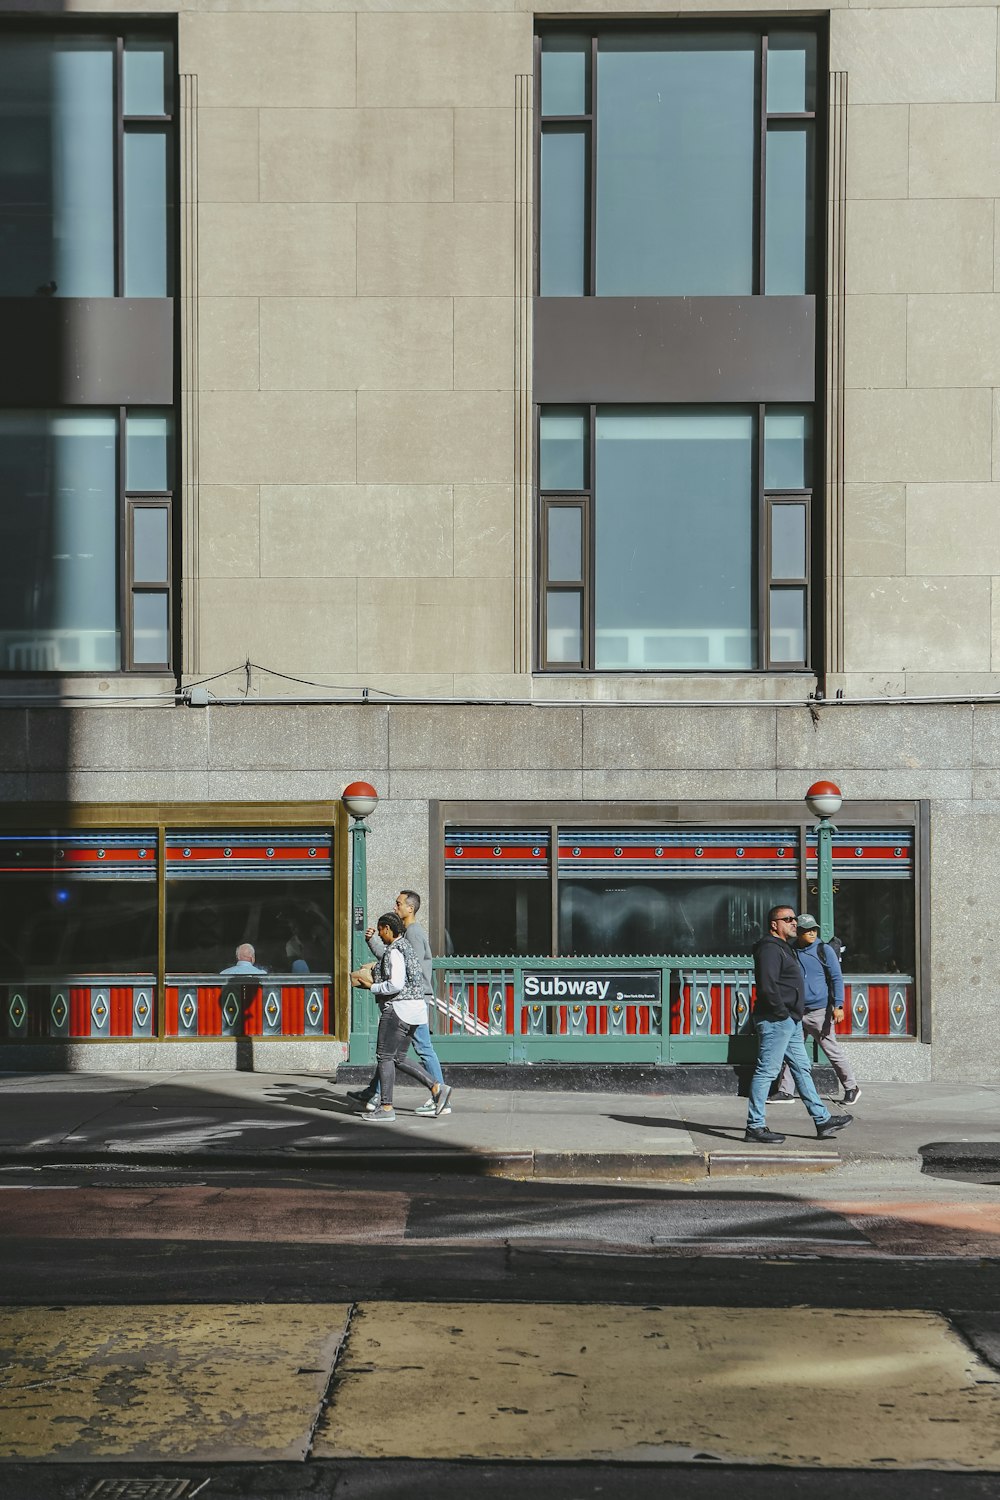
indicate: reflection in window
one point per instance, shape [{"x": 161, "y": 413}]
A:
[
  {"x": 675, "y": 165},
  {"x": 146, "y": 199},
  {"x": 788, "y": 254},
  {"x": 495, "y": 917},
  {"x": 57, "y": 232},
  {"x": 270, "y": 888},
  {"x": 562, "y": 441},
  {"x": 674, "y": 534},
  {"x": 875, "y": 919},
  {"x": 497, "y": 892},
  {"x": 58, "y": 541},
  {"x": 791, "y": 73},
  {"x": 563, "y": 211},
  {"x": 565, "y": 65},
  {"x": 148, "y": 451},
  {"x": 77, "y": 905},
  {"x": 656, "y": 162},
  {"x": 681, "y": 917},
  {"x": 61, "y": 151}
]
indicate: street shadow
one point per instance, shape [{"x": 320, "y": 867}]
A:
[{"x": 58, "y": 1119}]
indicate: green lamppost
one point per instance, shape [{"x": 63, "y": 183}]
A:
[
  {"x": 360, "y": 799},
  {"x": 823, "y": 800}
]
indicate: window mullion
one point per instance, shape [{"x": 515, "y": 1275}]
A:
[
  {"x": 590, "y": 578},
  {"x": 762, "y": 170},
  {"x": 119, "y": 114},
  {"x": 591, "y": 189}
]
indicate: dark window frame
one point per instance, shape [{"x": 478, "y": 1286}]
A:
[
  {"x": 763, "y": 28},
  {"x": 162, "y": 817},
  {"x": 126, "y": 500},
  {"x": 587, "y": 122},
  {"x": 120, "y": 32},
  {"x": 163, "y": 28},
  {"x": 762, "y": 581},
  {"x": 912, "y": 815},
  {"x": 145, "y": 500}
]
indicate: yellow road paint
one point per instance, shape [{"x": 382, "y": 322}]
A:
[
  {"x": 187, "y": 1382},
  {"x": 795, "y": 1386}
]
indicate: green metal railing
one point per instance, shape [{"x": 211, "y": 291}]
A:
[
  {"x": 641, "y": 1009},
  {"x": 644, "y": 1009}
]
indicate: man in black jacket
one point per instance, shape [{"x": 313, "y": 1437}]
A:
[{"x": 777, "y": 1020}]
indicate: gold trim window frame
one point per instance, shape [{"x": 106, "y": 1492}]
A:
[{"x": 172, "y": 817}]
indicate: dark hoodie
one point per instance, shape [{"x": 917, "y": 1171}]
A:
[{"x": 781, "y": 990}]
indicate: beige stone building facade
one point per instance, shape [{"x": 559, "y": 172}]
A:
[{"x": 365, "y": 317}]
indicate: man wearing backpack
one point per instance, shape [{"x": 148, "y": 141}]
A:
[
  {"x": 779, "y": 1000},
  {"x": 824, "y": 983}
]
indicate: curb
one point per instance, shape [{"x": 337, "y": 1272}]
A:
[
  {"x": 560, "y": 1165},
  {"x": 769, "y": 1163},
  {"x": 671, "y": 1079},
  {"x": 961, "y": 1156}
]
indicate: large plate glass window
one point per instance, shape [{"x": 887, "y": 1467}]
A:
[
  {"x": 653, "y": 520},
  {"x": 497, "y": 891},
  {"x": 687, "y": 902},
  {"x": 78, "y": 946},
  {"x": 86, "y": 164},
  {"x": 677, "y": 162},
  {"x": 86, "y": 540},
  {"x": 626, "y": 892},
  {"x": 249, "y": 932}
]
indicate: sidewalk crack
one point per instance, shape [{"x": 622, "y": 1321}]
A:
[{"x": 325, "y": 1399}]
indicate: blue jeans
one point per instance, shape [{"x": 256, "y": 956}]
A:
[
  {"x": 779, "y": 1042},
  {"x": 424, "y": 1048}
]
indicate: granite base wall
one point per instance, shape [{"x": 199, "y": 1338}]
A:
[{"x": 948, "y": 754}]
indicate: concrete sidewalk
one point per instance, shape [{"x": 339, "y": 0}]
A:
[{"x": 256, "y": 1120}]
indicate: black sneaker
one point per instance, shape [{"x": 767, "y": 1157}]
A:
[
  {"x": 360, "y": 1096},
  {"x": 851, "y": 1096},
  {"x": 781, "y": 1097},
  {"x": 832, "y": 1125},
  {"x": 763, "y": 1136}
]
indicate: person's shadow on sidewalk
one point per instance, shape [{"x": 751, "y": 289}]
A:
[
  {"x": 692, "y": 1126},
  {"x": 313, "y": 1096}
]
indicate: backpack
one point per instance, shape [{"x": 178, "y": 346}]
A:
[{"x": 831, "y": 1000}]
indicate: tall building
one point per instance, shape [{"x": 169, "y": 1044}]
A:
[{"x": 580, "y": 429}]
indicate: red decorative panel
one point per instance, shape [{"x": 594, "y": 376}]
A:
[
  {"x": 293, "y": 1011},
  {"x": 210, "y": 1011},
  {"x": 79, "y": 1012},
  {"x": 121, "y": 1011}
]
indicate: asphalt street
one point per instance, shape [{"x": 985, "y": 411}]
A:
[{"x": 124, "y": 1289}]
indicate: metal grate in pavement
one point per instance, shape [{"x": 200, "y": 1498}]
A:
[{"x": 144, "y": 1489}]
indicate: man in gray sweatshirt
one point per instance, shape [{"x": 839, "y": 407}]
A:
[{"x": 407, "y": 906}]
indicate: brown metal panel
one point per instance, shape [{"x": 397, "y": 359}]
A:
[
  {"x": 676, "y": 349},
  {"x": 76, "y": 351}
]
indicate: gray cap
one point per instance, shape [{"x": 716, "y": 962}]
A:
[{"x": 805, "y": 922}]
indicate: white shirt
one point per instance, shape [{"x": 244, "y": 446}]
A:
[{"x": 412, "y": 1011}]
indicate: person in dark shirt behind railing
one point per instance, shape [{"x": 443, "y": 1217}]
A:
[{"x": 777, "y": 1020}]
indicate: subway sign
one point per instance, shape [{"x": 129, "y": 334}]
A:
[{"x": 593, "y": 987}]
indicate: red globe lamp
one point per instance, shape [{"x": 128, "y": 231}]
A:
[
  {"x": 360, "y": 799},
  {"x": 824, "y": 799}
]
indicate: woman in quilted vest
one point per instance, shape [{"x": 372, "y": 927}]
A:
[{"x": 397, "y": 983}]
